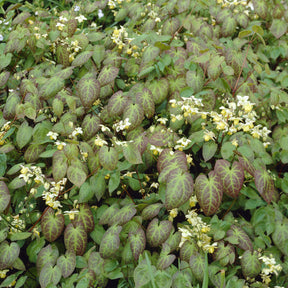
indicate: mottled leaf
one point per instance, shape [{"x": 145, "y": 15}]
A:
[
  {"x": 67, "y": 263},
  {"x": 264, "y": 184},
  {"x": 75, "y": 238},
  {"x": 110, "y": 242},
  {"x": 89, "y": 91},
  {"x": 52, "y": 224},
  {"x": 82, "y": 58},
  {"x": 108, "y": 157},
  {"x": 107, "y": 75},
  {"x": 232, "y": 178},
  {"x": 179, "y": 189},
  {"x": 209, "y": 192},
  {"x": 237, "y": 236},
  {"x": 8, "y": 254},
  {"x": 4, "y": 196},
  {"x": 157, "y": 233},
  {"x": 49, "y": 274},
  {"x": 137, "y": 242},
  {"x": 250, "y": 264}
]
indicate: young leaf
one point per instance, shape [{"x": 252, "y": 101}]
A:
[
  {"x": 49, "y": 274},
  {"x": 108, "y": 157}
]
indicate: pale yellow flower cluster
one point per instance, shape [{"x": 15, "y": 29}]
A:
[
  {"x": 17, "y": 224},
  {"x": 270, "y": 268},
  {"x": 121, "y": 39},
  {"x": 197, "y": 230},
  {"x": 234, "y": 117},
  {"x": 4, "y": 129}
]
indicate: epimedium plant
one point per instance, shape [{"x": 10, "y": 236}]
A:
[{"x": 144, "y": 144}]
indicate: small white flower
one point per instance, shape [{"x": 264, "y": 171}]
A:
[
  {"x": 100, "y": 14},
  {"x": 81, "y": 18},
  {"x": 52, "y": 135},
  {"x": 1, "y": 37},
  {"x": 77, "y": 8}
]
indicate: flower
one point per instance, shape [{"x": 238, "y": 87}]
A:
[
  {"x": 3, "y": 273},
  {"x": 80, "y": 18},
  {"x": 209, "y": 135},
  {"x": 100, "y": 14},
  {"x": 1, "y": 37},
  {"x": 77, "y": 8},
  {"x": 52, "y": 135},
  {"x": 60, "y": 145},
  {"x": 60, "y": 26},
  {"x": 99, "y": 141},
  {"x": 71, "y": 214}
]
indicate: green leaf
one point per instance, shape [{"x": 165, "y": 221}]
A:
[
  {"x": 232, "y": 178},
  {"x": 20, "y": 236},
  {"x": 49, "y": 274},
  {"x": 209, "y": 150},
  {"x": 116, "y": 104},
  {"x": 34, "y": 247},
  {"x": 75, "y": 238},
  {"x": 195, "y": 80},
  {"x": 142, "y": 274},
  {"x": 110, "y": 242},
  {"x": 132, "y": 154},
  {"x": 98, "y": 185},
  {"x": 179, "y": 188},
  {"x": 278, "y": 28},
  {"x": 82, "y": 58},
  {"x": 137, "y": 242},
  {"x": 52, "y": 224},
  {"x": 264, "y": 184},
  {"x": 237, "y": 236},
  {"x": 114, "y": 181},
  {"x": 51, "y": 87},
  {"x": 244, "y": 33},
  {"x": 4, "y": 76},
  {"x": 85, "y": 192},
  {"x": 98, "y": 54},
  {"x": 24, "y": 134},
  {"x": 67, "y": 263},
  {"x": 227, "y": 150},
  {"x": 209, "y": 192},
  {"x": 76, "y": 174},
  {"x": 89, "y": 91},
  {"x": 250, "y": 263},
  {"x": 85, "y": 216},
  {"x": 197, "y": 264},
  {"x": 8, "y": 254},
  {"x": 107, "y": 75},
  {"x": 59, "y": 165},
  {"x": 108, "y": 157},
  {"x": 157, "y": 233},
  {"x": 280, "y": 235},
  {"x": 151, "y": 211}
]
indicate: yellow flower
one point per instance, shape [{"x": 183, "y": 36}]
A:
[
  {"x": 129, "y": 51},
  {"x": 235, "y": 142},
  {"x": 107, "y": 176},
  {"x": 3, "y": 273}
]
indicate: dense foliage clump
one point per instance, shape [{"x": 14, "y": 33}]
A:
[{"x": 144, "y": 144}]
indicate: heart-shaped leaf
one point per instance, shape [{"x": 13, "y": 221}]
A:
[
  {"x": 4, "y": 196},
  {"x": 264, "y": 184},
  {"x": 137, "y": 241},
  {"x": 209, "y": 192},
  {"x": 232, "y": 178},
  {"x": 110, "y": 242},
  {"x": 179, "y": 189},
  {"x": 250, "y": 264},
  {"x": 52, "y": 224},
  {"x": 67, "y": 263},
  {"x": 108, "y": 157},
  {"x": 8, "y": 254},
  {"x": 237, "y": 236},
  {"x": 75, "y": 238},
  {"x": 49, "y": 274},
  {"x": 48, "y": 254},
  {"x": 157, "y": 233}
]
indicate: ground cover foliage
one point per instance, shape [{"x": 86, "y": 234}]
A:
[{"x": 144, "y": 144}]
